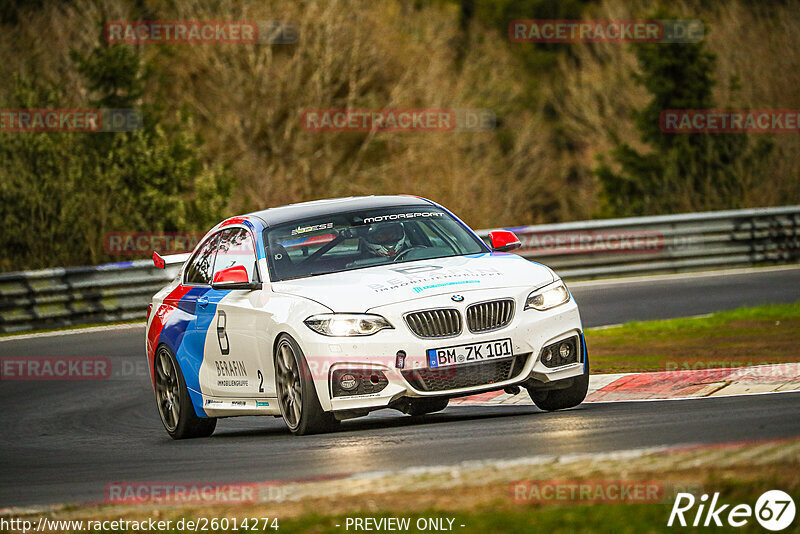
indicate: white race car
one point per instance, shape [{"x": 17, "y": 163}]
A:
[{"x": 327, "y": 310}]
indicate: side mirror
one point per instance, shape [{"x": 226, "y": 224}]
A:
[
  {"x": 233, "y": 278},
  {"x": 158, "y": 261},
  {"x": 503, "y": 240}
]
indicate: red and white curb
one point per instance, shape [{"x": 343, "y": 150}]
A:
[{"x": 697, "y": 383}]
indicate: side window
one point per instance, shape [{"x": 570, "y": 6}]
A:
[
  {"x": 433, "y": 237},
  {"x": 236, "y": 248},
  {"x": 200, "y": 268}
]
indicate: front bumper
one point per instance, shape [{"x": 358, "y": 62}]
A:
[{"x": 529, "y": 331}]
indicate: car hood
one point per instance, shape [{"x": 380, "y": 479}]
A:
[{"x": 360, "y": 290}]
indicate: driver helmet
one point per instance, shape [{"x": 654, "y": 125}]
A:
[{"x": 386, "y": 239}]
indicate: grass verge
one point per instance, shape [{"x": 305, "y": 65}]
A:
[
  {"x": 737, "y": 338},
  {"x": 483, "y": 498}
]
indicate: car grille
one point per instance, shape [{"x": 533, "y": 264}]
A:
[
  {"x": 445, "y": 322},
  {"x": 465, "y": 376},
  {"x": 488, "y": 316}
]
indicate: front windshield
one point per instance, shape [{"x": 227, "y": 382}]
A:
[{"x": 366, "y": 238}]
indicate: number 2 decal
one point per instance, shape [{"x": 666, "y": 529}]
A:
[
  {"x": 260, "y": 382},
  {"x": 222, "y": 336}
]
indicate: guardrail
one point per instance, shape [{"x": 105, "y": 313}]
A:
[
  {"x": 576, "y": 250},
  {"x": 666, "y": 243},
  {"x": 79, "y": 295}
]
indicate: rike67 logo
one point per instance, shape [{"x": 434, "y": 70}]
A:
[{"x": 774, "y": 510}]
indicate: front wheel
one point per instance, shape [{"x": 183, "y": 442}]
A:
[
  {"x": 561, "y": 399},
  {"x": 297, "y": 396},
  {"x": 174, "y": 404}
]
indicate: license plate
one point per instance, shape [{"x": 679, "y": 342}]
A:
[{"x": 469, "y": 353}]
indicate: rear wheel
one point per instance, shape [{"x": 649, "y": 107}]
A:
[
  {"x": 561, "y": 399},
  {"x": 174, "y": 404},
  {"x": 425, "y": 406},
  {"x": 297, "y": 396}
]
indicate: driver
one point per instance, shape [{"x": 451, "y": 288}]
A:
[{"x": 386, "y": 240}]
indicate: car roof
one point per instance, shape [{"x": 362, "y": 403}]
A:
[{"x": 332, "y": 206}]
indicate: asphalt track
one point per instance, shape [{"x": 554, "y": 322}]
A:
[{"x": 65, "y": 441}]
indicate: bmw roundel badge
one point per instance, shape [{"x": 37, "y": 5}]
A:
[{"x": 457, "y": 298}]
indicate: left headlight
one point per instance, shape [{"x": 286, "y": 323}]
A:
[
  {"x": 347, "y": 324},
  {"x": 548, "y": 297}
]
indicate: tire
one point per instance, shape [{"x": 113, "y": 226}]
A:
[
  {"x": 425, "y": 406},
  {"x": 297, "y": 396},
  {"x": 173, "y": 401},
  {"x": 561, "y": 399}
]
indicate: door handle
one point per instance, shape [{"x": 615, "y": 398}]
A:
[{"x": 202, "y": 301}]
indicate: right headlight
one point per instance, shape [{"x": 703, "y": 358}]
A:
[
  {"x": 548, "y": 297},
  {"x": 347, "y": 324}
]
